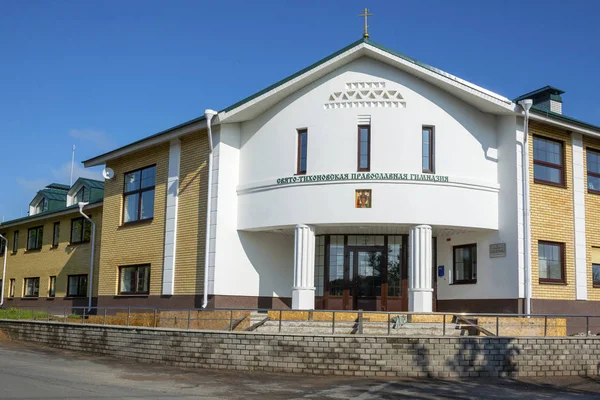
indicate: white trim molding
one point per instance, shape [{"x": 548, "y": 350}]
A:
[{"x": 168, "y": 285}]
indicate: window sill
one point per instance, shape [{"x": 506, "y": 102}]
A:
[
  {"x": 124, "y": 295},
  {"x": 14, "y": 253},
  {"x": 548, "y": 183},
  {"x": 134, "y": 223},
  {"x": 53, "y": 247},
  {"x": 541, "y": 282},
  {"x": 596, "y": 285},
  {"x": 30, "y": 298},
  {"x": 592, "y": 191},
  {"x": 464, "y": 282},
  {"x": 74, "y": 297},
  {"x": 50, "y": 298},
  {"x": 72, "y": 244},
  {"x": 33, "y": 250}
]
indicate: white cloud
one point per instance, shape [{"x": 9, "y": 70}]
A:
[
  {"x": 63, "y": 173},
  {"x": 100, "y": 139},
  {"x": 32, "y": 185}
]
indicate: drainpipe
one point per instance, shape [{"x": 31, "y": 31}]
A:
[
  {"x": 208, "y": 114},
  {"x": 91, "y": 275},
  {"x": 4, "y": 270},
  {"x": 526, "y": 104}
]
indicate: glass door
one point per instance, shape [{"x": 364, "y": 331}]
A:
[{"x": 365, "y": 275}]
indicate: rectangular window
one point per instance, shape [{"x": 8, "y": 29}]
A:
[
  {"x": 42, "y": 206},
  {"x": 52, "y": 287},
  {"x": 596, "y": 274},
  {"x": 77, "y": 286},
  {"x": 31, "y": 287},
  {"x": 548, "y": 161},
  {"x": 3, "y": 244},
  {"x": 428, "y": 150},
  {"x": 11, "y": 289},
  {"x": 134, "y": 279},
  {"x": 302, "y": 151},
  {"x": 364, "y": 148},
  {"x": 81, "y": 230},
  {"x": 34, "y": 238},
  {"x": 15, "y": 245},
  {"x": 465, "y": 264},
  {"x": 82, "y": 194},
  {"x": 138, "y": 194},
  {"x": 593, "y": 171},
  {"x": 56, "y": 234},
  {"x": 551, "y": 262}
]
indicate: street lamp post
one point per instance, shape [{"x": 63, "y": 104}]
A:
[{"x": 91, "y": 275}]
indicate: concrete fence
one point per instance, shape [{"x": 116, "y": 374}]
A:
[{"x": 440, "y": 357}]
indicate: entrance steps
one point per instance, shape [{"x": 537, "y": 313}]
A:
[{"x": 261, "y": 324}]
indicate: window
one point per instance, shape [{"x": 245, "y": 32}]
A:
[
  {"x": 56, "y": 234},
  {"x": 11, "y": 290},
  {"x": 77, "y": 286},
  {"x": 81, "y": 230},
  {"x": 134, "y": 279},
  {"x": 52, "y": 287},
  {"x": 596, "y": 275},
  {"x": 42, "y": 206},
  {"x": 551, "y": 262},
  {"x": 428, "y": 150},
  {"x": 302, "y": 151},
  {"x": 15, "y": 245},
  {"x": 3, "y": 244},
  {"x": 34, "y": 238},
  {"x": 548, "y": 162},
  {"x": 364, "y": 148},
  {"x": 593, "y": 171},
  {"x": 82, "y": 194},
  {"x": 138, "y": 194},
  {"x": 32, "y": 287},
  {"x": 465, "y": 264}
]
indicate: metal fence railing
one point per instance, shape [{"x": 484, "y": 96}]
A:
[{"x": 327, "y": 322}]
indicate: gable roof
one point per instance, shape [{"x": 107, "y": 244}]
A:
[
  {"x": 255, "y": 104},
  {"x": 47, "y": 214}
]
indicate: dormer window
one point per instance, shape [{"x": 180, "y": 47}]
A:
[
  {"x": 42, "y": 206},
  {"x": 82, "y": 195}
]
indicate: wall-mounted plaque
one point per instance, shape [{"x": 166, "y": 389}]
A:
[{"x": 363, "y": 198}]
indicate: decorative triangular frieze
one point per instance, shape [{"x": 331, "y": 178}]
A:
[{"x": 365, "y": 94}]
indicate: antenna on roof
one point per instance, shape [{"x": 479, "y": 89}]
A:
[{"x": 72, "y": 165}]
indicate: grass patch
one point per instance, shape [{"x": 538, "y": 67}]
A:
[{"x": 15, "y": 313}]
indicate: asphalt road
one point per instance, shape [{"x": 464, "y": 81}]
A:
[{"x": 35, "y": 372}]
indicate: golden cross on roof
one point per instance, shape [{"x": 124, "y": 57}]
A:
[{"x": 366, "y": 15}]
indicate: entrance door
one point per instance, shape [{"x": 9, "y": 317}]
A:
[{"x": 365, "y": 271}]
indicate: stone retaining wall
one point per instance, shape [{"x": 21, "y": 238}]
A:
[{"x": 442, "y": 357}]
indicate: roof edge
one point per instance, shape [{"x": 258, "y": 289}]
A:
[{"x": 47, "y": 214}]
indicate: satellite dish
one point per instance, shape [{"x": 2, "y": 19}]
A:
[{"x": 108, "y": 173}]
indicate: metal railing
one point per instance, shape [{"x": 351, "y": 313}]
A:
[{"x": 315, "y": 322}]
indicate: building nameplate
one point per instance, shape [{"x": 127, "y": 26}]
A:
[
  {"x": 361, "y": 176},
  {"x": 497, "y": 250}
]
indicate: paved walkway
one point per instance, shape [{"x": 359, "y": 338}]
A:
[{"x": 34, "y": 372}]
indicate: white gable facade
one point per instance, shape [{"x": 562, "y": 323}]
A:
[{"x": 380, "y": 234}]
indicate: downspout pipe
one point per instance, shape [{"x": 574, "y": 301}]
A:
[
  {"x": 91, "y": 275},
  {"x": 208, "y": 114},
  {"x": 526, "y": 105},
  {"x": 4, "y": 269}
]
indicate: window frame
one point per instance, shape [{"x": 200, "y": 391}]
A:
[
  {"x": 45, "y": 204},
  {"x": 563, "y": 270},
  {"x": 431, "y": 129},
  {"x": 594, "y": 174},
  {"x": 25, "y": 287},
  {"x": 83, "y": 225},
  {"x": 135, "y": 292},
  {"x": 51, "y": 287},
  {"x": 11, "y": 288},
  {"x": 299, "y": 170},
  {"x": 3, "y": 246},
  {"x": 561, "y": 167},
  {"x": 474, "y": 272},
  {"x": 79, "y": 276},
  {"x": 139, "y": 192},
  {"x": 55, "y": 235},
  {"x": 368, "y": 168},
  {"x": 595, "y": 283},
  {"x": 40, "y": 238},
  {"x": 15, "y": 245}
]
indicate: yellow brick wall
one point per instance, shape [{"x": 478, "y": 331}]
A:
[
  {"x": 61, "y": 261},
  {"x": 552, "y": 217},
  {"x": 191, "y": 219},
  {"x": 143, "y": 242},
  {"x": 592, "y": 220},
  {"x": 138, "y": 242}
]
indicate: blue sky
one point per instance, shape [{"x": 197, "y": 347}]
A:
[{"x": 103, "y": 74}]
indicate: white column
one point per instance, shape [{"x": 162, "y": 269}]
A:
[
  {"x": 420, "y": 289},
  {"x": 168, "y": 286},
  {"x": 303, "y": 292},
  {"x": 581, "y": 277}
]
